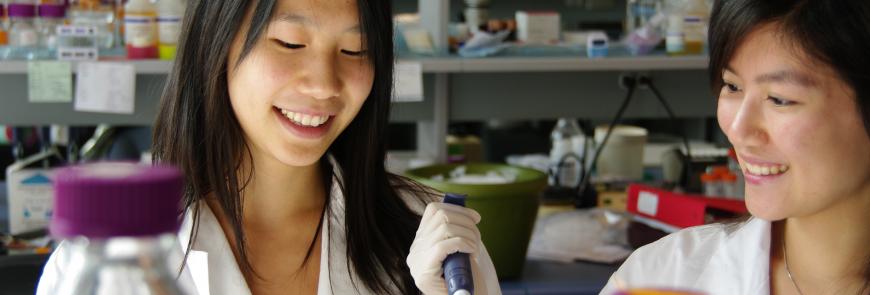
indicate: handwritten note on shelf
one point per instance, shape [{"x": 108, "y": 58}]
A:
[
  {"x": 408, "y": 81},
  {"x": 49, "y": 81},
  {"x": 105, "y": 87}
]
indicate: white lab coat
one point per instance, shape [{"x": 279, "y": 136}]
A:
[
  {"x": 211, "y": 267},
  {"x": 716, "y": 259}
]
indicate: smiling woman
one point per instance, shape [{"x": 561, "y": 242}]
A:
[
  {"x": 277, "y": 111},
  {"x": 794, "y": 100}
]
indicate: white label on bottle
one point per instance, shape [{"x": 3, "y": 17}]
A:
[
  {"x": 168, "y": 29},
  {"x": 140, "y": 30},
  {"x": 648, "y": 203}
]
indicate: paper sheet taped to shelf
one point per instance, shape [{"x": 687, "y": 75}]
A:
[
  {"x": 408, "y": 81},
  {"x": 105, "y": 87},
  {"x": 49, "y": 81}
]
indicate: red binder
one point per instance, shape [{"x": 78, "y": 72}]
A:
[{"x": 676, "y": 209}]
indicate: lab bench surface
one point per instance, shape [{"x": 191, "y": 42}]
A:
[
  {"x": 539, "y": 277},
  {"x": 554, "y": 278}
]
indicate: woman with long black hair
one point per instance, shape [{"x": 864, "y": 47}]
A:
[
  {"x": 276, "y": 111},
  {"x": 793, "y": 80}
]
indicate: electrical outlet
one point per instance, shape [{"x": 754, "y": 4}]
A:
[{"x": 626, "y": 80}]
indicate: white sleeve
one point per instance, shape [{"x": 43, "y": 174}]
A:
[
  {"x": 620, "y": 279},
  {"x": 53, "y": 270}
]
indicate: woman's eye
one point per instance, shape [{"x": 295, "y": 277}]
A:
[
  {"x": 353, "y": 53},
  {"x": 289, "y": 45},
  {"x": 779, "y": 102},
  {"x": 731, "y": 87}
]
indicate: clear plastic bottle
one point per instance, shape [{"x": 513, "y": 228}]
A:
[
  {"x": 4, "y": 35},
  {"x": 169, "y": 15},
  {"x": 566, "y": 139},
  {"x": 140, "y": 29},
  {"x": 118, "y": 222},
  {"x": 711, "y": 184},
  {"x": 696, "y": 17},
  {"x": 729, "y": 186},
  {"x": 640, "y": 12},
  {"x": 97, "y": 14},
  {"x": 675, "y": 39},
  {"x": 50, "y": 16},
  {"x": 23, "y": 36}
]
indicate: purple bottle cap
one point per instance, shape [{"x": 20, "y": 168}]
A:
[
  {"x": 22, "y": 10},
  {"x": 52, "y": 10},
  {"x": 116, "y": 199}
]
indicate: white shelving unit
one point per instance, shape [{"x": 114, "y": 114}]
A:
[
  {"x": 434, "y": 16},
  {"x": 458, "y": 65}
]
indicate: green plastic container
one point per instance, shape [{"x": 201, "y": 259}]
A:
[{"x": 508, "y": 210}]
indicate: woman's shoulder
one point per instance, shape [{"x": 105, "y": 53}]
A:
[
  {"x": 698, "y": 241},
  {"x": 415, "y": 195},
  {"x": 682, "y": 256}
]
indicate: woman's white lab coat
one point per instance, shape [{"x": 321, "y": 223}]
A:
[
  {"x": 715, "y": 259},
  {"x": 211, "y": 267}
]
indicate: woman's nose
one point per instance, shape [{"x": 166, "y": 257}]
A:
[
  {"x": 319, "y": 79},
  {"x": 747, "y": 129}
]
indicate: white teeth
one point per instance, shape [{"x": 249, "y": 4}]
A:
[
  {"x": 765, "y": 170},
  {"x": 305, "y": 120}
]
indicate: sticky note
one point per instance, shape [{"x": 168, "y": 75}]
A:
[
  {"x": 408, "y": 81},
  {"x": 648, "y": 203},
  {"x": 105, "y": 87},
  {"x": 49, "y": 81}
]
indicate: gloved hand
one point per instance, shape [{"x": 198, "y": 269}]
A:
[{"x": 445, "y": 229}]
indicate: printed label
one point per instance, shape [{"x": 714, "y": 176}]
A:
[
  {"x": 140, "y": 30},
  {"x": 168, "y": 27}
]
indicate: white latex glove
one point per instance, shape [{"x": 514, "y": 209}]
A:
[{"x": 446, "y": 229}]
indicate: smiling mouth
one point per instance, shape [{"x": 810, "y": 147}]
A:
[
  {"x": 764, "y": 170},
  {"x": 304, "y": 120}
]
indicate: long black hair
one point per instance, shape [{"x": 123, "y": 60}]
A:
[
  {"x": 834, "y": 33},
  {"x": 197, "y": 131}
]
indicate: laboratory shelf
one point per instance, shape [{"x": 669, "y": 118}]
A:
[
  {"x": 561, "y": 64},
  {"x": 477, "y": 65},
  {"x": 429, "y": 65},
  {"x": 558, "y": 63},
  {"x": 142, "y": 66}
]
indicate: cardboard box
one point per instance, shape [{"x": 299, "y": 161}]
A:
[
  {"x": 31, "y": 197},
  {"x": 538, "y": 27}
]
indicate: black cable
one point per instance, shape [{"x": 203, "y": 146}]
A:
[
  {"x": 673, "y": 117},
  {"x": 631, "y": 85}
]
